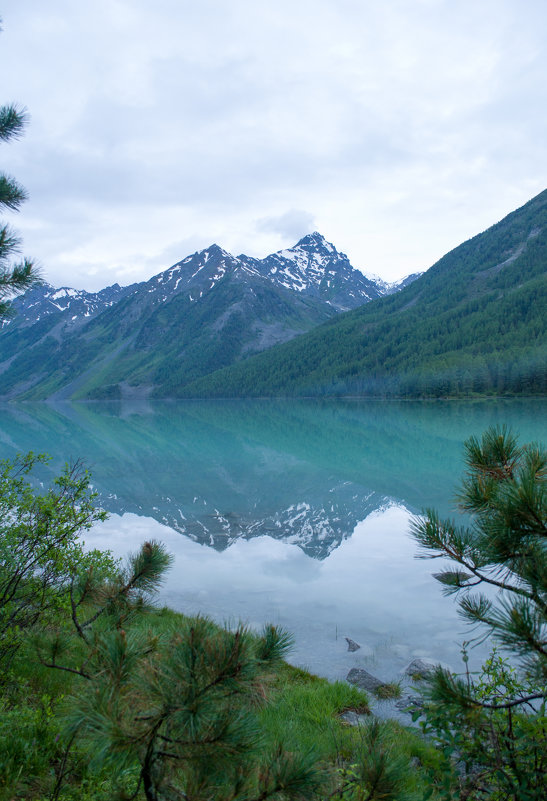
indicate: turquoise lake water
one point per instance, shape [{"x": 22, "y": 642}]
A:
[{"x": 291, "y": 512}]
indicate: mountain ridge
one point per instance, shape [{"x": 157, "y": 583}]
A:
[
  {"x": 202, "y": 313},
  {"x": 474, "y": 323}
]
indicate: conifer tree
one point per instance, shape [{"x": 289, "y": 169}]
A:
[
  {"x": 14, "y": 277},
  {"x": 495, "y": 724},
  {"x": 504, "y": 489},
  {"x": 179, "y": 713}
]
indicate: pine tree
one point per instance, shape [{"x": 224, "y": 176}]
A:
[
  {"x": 505, "y": 491},
  {"x": 495, "y": 724},
  {"x": 14, "y": 278},
  {"x": 179, "y": 713}
]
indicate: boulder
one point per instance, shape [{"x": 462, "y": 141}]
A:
[
  {"x": 351, "y": 717},
  {"x": 361, "y": 678},
  {"x": 352, "y": 645},
  {"x": 421, "y": 668}
]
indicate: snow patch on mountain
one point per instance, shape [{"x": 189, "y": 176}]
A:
[
  {"x": 313, "y": 267},
  {"x": 73, "y": 304}
]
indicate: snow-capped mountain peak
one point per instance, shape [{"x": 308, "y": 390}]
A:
[
  {"x": 74, "y": 304},
  {"x": 314, "y": 245},
  {"x": 206, "y": 311},
  {"x": 196, "y": 274},
  {"x": 315, "y": 240},
  {"x": 314, "y": 267}
]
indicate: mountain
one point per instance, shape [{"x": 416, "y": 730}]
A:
[
  {"x": 45, "y": 314},
  {"x": 205, "y": 312},
  {"x": 386, "y": 288},
  {"x": 315, "y": 268},
  {"x": 61, "y": 305},
  {"x": 475, "y": 322},
  {"x": 396, "y": 286}
]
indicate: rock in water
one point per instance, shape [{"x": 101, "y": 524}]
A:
[
  {"x": 352, "y": 645},
  {"x": 363, "y": 679},
  {"x": 410, "y": 703},
  {"x": 421, "y": 668}
]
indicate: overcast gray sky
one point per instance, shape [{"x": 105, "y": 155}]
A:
[{"x": 397, "y": 128}]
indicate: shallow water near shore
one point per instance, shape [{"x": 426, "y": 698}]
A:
[{"x": 295, "y": 513}]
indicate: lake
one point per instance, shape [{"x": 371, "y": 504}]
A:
[{"x": 291, "y": 512}]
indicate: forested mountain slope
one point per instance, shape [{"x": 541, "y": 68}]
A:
[
  {"x": 475, "y": 322},
  {"x": 203, "y": 313}
]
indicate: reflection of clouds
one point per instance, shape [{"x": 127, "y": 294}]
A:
[
  {"x": 261, "y": 562},
  {"x": 376, "y": 569},
  {"x": 370, "y": 588},
  {"x": 290, "y": 562}
]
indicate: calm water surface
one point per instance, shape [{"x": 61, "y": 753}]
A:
[{"x": 295, "y": 513}]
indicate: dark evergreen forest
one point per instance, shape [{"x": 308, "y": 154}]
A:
[{"x": 475, "y": 323}]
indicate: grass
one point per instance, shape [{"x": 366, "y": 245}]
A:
[
  {"x": 301, "y": 710},
  {"x": 387, "y": 691},
  {"x": 304, "y": 710}
]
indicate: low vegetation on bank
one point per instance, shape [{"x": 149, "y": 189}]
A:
[{"x": 104, "y": 695}]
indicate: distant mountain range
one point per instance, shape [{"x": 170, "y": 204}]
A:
[
  {"x": 301, "y": 322},
  {"x": 152, "y": 338},
  {"x": 474, "y": 323}
]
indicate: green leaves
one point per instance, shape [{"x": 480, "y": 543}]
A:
[
  {"x": 171, "y": 715},
  {"x": 488, "y": 724},
  {"x": 12, "y": 194},
  {"x": 379, "y": 771},
  {"x": 40, "y": 549},
  {"x": 453, "y": 580},
  {"x": 494, "y": 456},
  {"x": 504, "y": 489},
  {"x": 274, "y": 644},
  {"x": 437, "y": 538},
  {"x": 147, "y": 567}
]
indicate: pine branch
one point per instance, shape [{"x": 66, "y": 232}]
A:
[
  {"x": 510, "y": 704},
  {"x": 9, "y": 243},
  {"x": 13, "y": 120},
  {"x": 274, "y": 644},
  {"x": 12, "y": 194},
  {"x": 73, "y": 606},
  {"x": 81, "y": 673}
]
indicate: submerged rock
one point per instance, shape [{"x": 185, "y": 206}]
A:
[
  {"x": 421, "y": 668},
  {"x": 410, "y": 703},
  {"x": 361, "y": 678}
]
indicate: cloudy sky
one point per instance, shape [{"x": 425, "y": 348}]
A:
[{"x": 397, "y": 128}]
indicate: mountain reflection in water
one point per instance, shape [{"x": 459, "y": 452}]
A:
[
  {"x": 245, "y": 492},
  {"x": 300, "y": 471}
]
